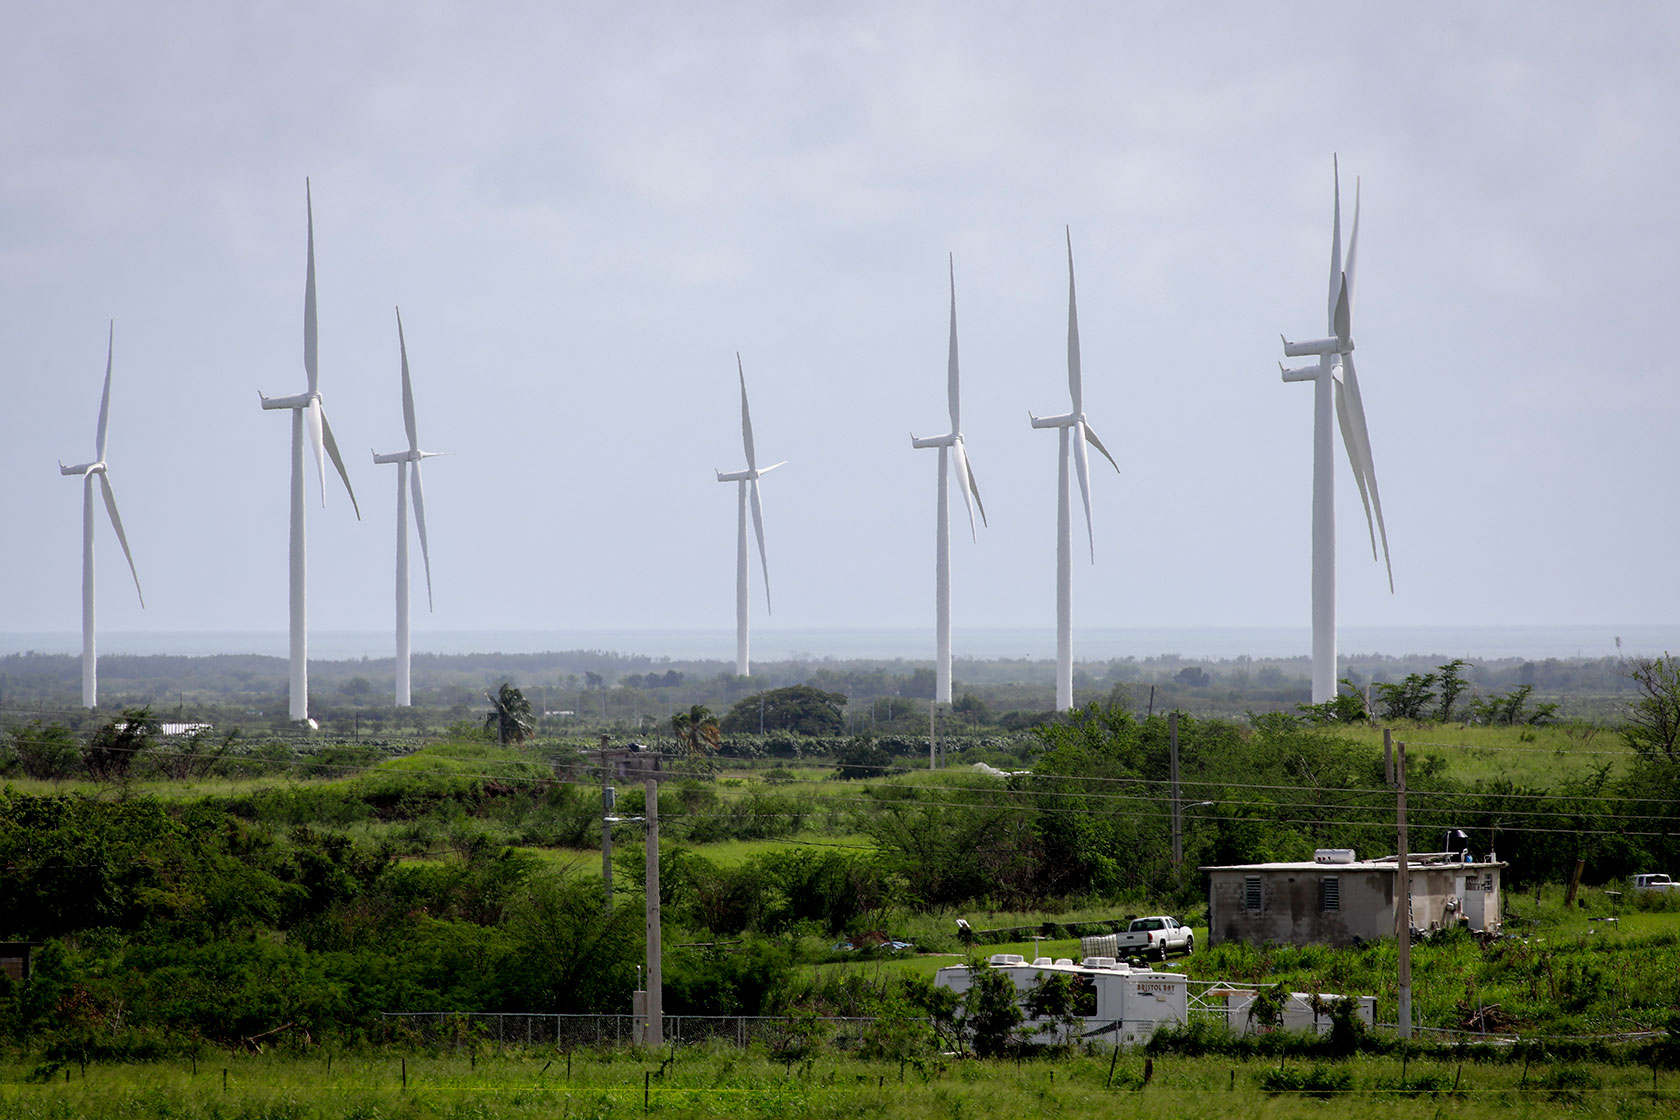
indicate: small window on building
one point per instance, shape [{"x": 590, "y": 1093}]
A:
[
  {"x": 1330, "y": 893},
  {"x": 1251, "y": 892}
]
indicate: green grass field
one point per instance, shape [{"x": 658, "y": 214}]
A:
[
  {"x": 716, "y": 1082},
  {"x": 1542, "y": 757}
]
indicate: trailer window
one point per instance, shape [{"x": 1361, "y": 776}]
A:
[{"x": 1084, "y": 997}]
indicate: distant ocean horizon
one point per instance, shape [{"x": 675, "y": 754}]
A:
[{"x": 816, "y": 644}]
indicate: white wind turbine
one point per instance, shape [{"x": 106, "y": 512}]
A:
[
  {"x": 747, "y": 478},
  {"x": 307, "y": 412},
  {"x": 950, "y": 446},
  {"x": 88, "y": 472},
  {"x": 1334, "y": 375},
  {"x": 402, "y": 459},
  {"x": 1075, "y": 431}
]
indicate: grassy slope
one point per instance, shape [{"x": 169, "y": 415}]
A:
[{"x": 1539, "y": 757}]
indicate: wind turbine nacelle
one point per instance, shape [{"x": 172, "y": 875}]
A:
[
  {"x": 933, "y": 441},
  {"x": 297, "y": 400},
  {"x": 399, "y": 457},
  {"x": 1301, "y": 373},
  {"x": 1066, "y": 420},
  {"x": 1315, "y": 347},
  {"x": 736, "y": 476},
  {"x": 81, "y": 468}
]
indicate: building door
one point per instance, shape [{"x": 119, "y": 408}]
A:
[{"x": 1474, "y": 904}]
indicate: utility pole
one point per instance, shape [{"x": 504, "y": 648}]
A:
[
  {"x": 1388, "y": 756},
  {"x": 1403, "y": 901},
  {"x": 655, "y": 990},
  {"x": 1177, "y": 809},
  {"x": 609, "y": 799}
]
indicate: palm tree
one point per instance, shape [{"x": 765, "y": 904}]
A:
[
  {"x": 509, "y": 715},
  {"x": 696, "y": 731}
]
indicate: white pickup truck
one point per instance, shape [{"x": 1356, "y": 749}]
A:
[
  {"x": 1654, "y": 883},
  {"x": 1154, "y": 936}
]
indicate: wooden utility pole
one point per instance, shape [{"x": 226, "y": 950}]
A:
[
  {"x": 1403, "y": 901},
  {"x": 1177, "y": 802},
  {"x": 1388, "y": 756},
  {"x": 1574, "y": 882},
  {"x": 609, "y": 800},
  {"x": 655, "y": 990}
]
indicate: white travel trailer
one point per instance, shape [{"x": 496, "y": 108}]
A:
[{"x": 1116, "y": 1004}]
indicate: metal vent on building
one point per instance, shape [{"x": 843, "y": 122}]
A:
[
  {"x": 1330, "y": 893},
  {"x": 1251, "y": 892}
]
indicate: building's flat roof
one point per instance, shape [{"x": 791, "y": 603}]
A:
[{"x": 1415, "y": 863}]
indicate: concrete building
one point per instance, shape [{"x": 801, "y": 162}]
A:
[
  {"x": 1339, "y": 900},
  {"x": 15, "y": 958}
]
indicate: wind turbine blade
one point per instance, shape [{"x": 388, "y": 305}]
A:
[
  {"x": 122, "y": 538},
  {"x": 746, "y": 418},
  {"x": 1362, "y": 434},
  {"x": 965, "y": 482},
  {"x": 420, "y": 523},
  {"x": 407, "y": 389},
  {"x": 309, "y": 332},
  {"x": 315, "y": 418},
  {"x": 337, "y": 460},
  {"x": 1341, "y": 320},
  {"x": 1353, "y": 246},
  {"x": 1081, "y": 460},
  {"x": 763, "y": 559},
  {"x": 954, "y": 396},
  {"x": 105, "y": 398},
  {"x": 1097, "y": 443},
  {"x": 1076, "y": 387},
  {"x": 974, "y": 488},
  {"x": 1335, "y": 245},
  {"x": 1351, "y": 442}
]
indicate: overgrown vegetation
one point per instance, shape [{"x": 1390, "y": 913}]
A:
[{"x": 352, "y": 879}]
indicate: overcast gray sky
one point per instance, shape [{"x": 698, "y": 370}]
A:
[{"x": 584, "y": 210}]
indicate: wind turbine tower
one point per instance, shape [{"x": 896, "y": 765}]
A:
[
  {"x": 88, "y": 472},
  {"x": 402, "y": 459},
  {"x": 307, "y": 413},
  {"x": 1333, "y": 378},
  {"x": 1075, "y": 433},
  {"x": 950, "y": 447},
  {"x": 748, "y": 490}
]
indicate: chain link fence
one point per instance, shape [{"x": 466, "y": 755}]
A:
[{"x": 471, "y": 1028}]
